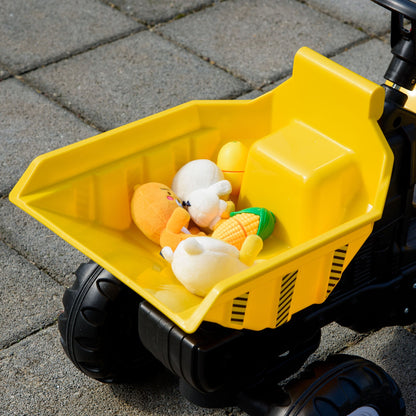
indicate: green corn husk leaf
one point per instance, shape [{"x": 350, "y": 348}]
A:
[{"x": 267, "y": 220}]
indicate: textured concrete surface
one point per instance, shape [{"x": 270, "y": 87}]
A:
[
  {"x": 133, "y": 78},
  {"x": 258, "y": 39},
  {"x": 31, "y": 125},
  {"x": 23, "y": 287},
  {"x": 71, "y": 69},
  {"x": 152, "y": 12},
  {"x": 34, "y": 34},
  {"x": 368, "y": 59},
  {"x": 3, "y": 74},
  {"x": 363, "y": 15},
  {"x": 37, "y": 378},
  {"x": 38, "y": 244}
]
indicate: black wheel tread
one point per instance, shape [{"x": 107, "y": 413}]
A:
[
  {"x": 340, "y": 385},
  {"x": 98, "y": 326}
]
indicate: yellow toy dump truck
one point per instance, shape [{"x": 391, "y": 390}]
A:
[{"x": 332, "y": 156}]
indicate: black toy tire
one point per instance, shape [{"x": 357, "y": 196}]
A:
[
  {"x": 98, "y": 327},
  {"x": 340, "y": 386}
]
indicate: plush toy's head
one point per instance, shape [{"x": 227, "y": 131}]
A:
[
  {"x": 201, "y": 262},
  {"x": 197, "y": 174},
  {"x": 151, "y": 207},
  {"x": 201, "y": 185},
  {"x": 205, "y": 206}
]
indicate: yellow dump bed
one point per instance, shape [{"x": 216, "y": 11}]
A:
[{"x": 317, "y": 159}]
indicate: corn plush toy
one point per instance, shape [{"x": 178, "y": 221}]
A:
[
  {"x": 249, "y": 221},
  {"x": 158, "y": 213}
]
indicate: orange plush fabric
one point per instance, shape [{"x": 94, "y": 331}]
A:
[
  {"x": 158, "y": 213},
  {"x": 174, "y": 233}
]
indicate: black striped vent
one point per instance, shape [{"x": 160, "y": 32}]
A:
[
  {"x": 286, "y": 294},
  {"x": 336, "y": 268},
  {"x": 239, "y": 309}
]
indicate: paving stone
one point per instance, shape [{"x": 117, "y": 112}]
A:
[
  {"x": 38, "y": 244},
  {"x": 411, "y": 328},
  {"x": 257, "y": 40},
  {"x": 272, "y": 86},
  {"x": 36, "y": 375},
  {"x": 363, "y": 14},
  {"x": 31, "y": 125},
  {"x": 29, "y": 298},
  {"x": 3, "y": 74},
  {"x": 152, "y": 12},
  {"x": 393, "y": 349},
  {"x": 132, "y": 78},
  {"x": 251, "y": 95},
  {"x": 370, "y": 59},
  {"x": 34, "y": 33},
  {"x": 335, "y": 338}
]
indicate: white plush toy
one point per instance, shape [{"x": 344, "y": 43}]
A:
[
  {"x": 197, "y": 174},
  {"x": 200, "y": 184},
  {"x": 205, "y": 205},
  {"x": 199, "y": 263}
]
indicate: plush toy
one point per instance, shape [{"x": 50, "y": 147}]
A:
[
  {"x": 201, "y": 186},
  {"x": 158, "y": 213},
  {"x": 206, "y": 207},
  {"x": 197, "y": 174},
  {"x": 199, "y": 263},
  {"x": 249, "y": 221}
]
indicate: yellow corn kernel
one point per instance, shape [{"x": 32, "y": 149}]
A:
[{"x": 236, "y": 229}]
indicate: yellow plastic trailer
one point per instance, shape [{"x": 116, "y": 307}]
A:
[{"x": 317, "y": 159}]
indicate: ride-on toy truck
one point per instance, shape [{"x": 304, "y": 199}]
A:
[{"x": 333, "y": 156}]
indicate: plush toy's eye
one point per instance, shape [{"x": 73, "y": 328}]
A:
[{"x": 170, "y": 197}]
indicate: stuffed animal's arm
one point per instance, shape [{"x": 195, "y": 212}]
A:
[
  {"x": 251, "y": 247},
  {"x": 230, "y": 208},
  {"x": 178, "y": 220}
]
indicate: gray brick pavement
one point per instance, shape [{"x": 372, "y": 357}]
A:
[
  {"x": 3, "y": 74},
  {"x": 132, "y": 78},
  {"x": 34, "y": 34},
  {"x": 152, "y": 12},
  {"x": 363, "y": 15},
  {"x": 31, "y": 125},
  {"x": 257, "y": 39},
  {"x": 369, "y": 59},
  {"x": 95, "y": 63},
  {"x": 37, "y": 378},
  {"x": 30, "y": 299},
  {"x": 38, "y": 244}
]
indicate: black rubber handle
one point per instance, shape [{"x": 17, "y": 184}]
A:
[{"x": 405, "y": 7}]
